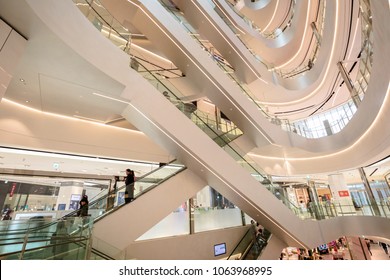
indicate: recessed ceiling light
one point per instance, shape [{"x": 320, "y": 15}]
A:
[
  {"x": 27, "y": 101},
  {"x": 22, "y": 80}
]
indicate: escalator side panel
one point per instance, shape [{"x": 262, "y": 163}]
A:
[{"x": 129, "y": 222}]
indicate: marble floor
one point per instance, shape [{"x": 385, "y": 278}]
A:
[{"x": 378, "y": 253}]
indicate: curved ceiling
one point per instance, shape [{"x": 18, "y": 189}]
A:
[{"x": 47, "y": 82}]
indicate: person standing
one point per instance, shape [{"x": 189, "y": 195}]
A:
[
  {"x": 83, "y": 209},
  {"x": 7, "y": 215},
  {"x": 112, "y": 195},
  {"x": 129, "y": 182},
  {"x": 368, "y": 246},
  {"x": 384, "y": 246},
  {"x": 254, "y": 235}
]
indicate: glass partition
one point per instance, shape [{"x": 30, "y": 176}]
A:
[
  {"x": 176, "y": 223},
  {"x": 30, "y": 196},
  {"x": 208, "y": 210},
  {"x": 66, "y": 238}
]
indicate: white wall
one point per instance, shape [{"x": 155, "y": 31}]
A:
[
  {"x": 65, "y": 193},
  {"x": 198, "y": 246},
  {"x": 25, "y": 128},
  {"x": 11, "y": 49}
]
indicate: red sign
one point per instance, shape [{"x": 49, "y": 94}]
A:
[
  {"x": 12, "y": 190},
  {"x": 343, "y": 193}
]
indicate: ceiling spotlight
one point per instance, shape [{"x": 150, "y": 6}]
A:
[{"x": 22, "y": 80}]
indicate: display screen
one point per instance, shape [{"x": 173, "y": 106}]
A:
[
  {"x": 75, "y": 197},
  {"x": 323, "y": 249},
  {"x": 219, "y": 249}
]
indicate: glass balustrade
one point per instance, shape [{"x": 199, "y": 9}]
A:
[
  {"x": 334, "y": 124},
  {"x": 285, "y": 24},
  {"x": 32, "y": 237},
  {"x": 66, "y": 238},
  {"x": 116, "y": 197},
  {"x": 250, "y": 246},
  {"x": 313, "y": 49},
  {"x": 174, "y": 95},
  {"x": 299, "y": 127},
  {"x": 119, "y": 35}
]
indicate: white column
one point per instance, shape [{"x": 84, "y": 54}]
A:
[
  {"x": 69, "y": 195},
  {"x": 291, "y": 195},
  {"x": 341, "y": 197},
  {"x": 203, "y": 198}
]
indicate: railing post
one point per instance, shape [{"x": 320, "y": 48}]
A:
[
  {"x": 24, "y": 246},
  {"x": 367, "y": 187},
  {"x": 243, "y": 218},
  {"x": 354, "y": 95},
  {"x": 191, "y": 210},
  {"x": 88, "y": 248},
  {"x": 315, "y": 31}
]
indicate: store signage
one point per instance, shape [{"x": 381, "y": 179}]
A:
[
  {"x": 12, "y": 189},
  {"x": 343, "y": 193}
]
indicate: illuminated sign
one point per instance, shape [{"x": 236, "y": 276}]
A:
[{"x": 343, "y": 193}]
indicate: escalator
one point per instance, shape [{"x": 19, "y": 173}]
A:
[
  {"x": 116, "y": 229},
  {"x": 171, "y": 183},
  {"x": 223, "y": 174},
  {"x": 251, "y": 245},
  {"x": 192, "y": 147}
]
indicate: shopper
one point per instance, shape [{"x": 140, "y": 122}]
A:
[
  {"x": 83, "y": 208},
  {"x": 112, "y": 194},
  {"x": 384, "y": 246},
  {"x": 129, "y": 181},
  {"x": 7, "y": 215},
  {"x": 368, "y": 245}
]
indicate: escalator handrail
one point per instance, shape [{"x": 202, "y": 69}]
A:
[{"x": 100, "y": 199}]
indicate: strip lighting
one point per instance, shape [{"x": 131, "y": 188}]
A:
[
  {"x": 273, "y": 16},
  {"x": 109, "y": 97},
  {"x": 335, "y": 34},
  {"x": 72, "y": 157},
  {"x": 227, "y": 17},
  {"x": 74, "y": 118},
  {"x": 361, "y": 138},
  {"x": 302, "y": 41}
]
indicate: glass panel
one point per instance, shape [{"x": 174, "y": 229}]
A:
[
  {"x": 176, "y": 223},
  {"x": 212, "y": 218},
  {"x": 67, "y": 238}
]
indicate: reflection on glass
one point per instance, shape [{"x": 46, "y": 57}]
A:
[{"x": 64, "y": 239}]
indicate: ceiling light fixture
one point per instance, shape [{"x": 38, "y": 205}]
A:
[
  {"x": 111, "y": 98},
  {"x": 73, "y": 118}
]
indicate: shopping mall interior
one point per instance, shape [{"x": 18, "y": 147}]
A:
[{"x": 256, "y": 129}]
